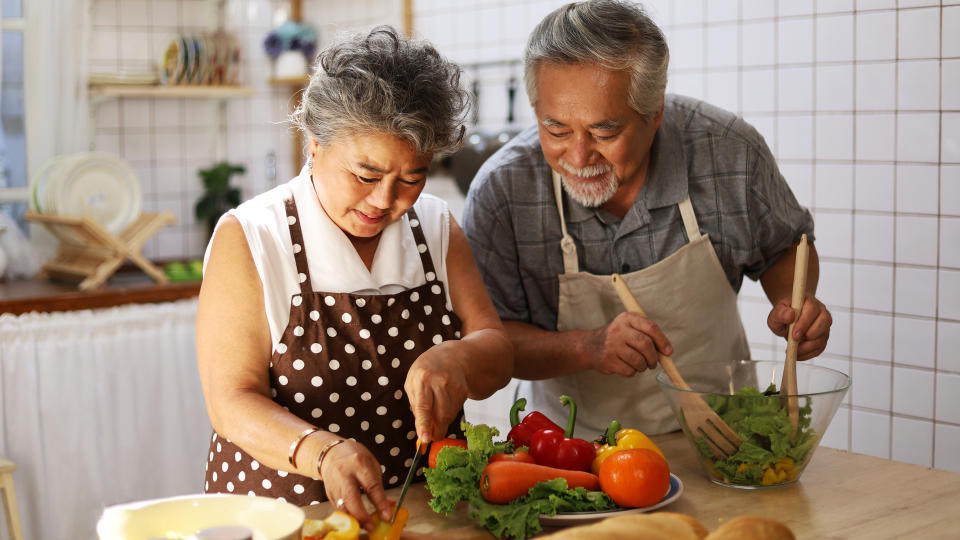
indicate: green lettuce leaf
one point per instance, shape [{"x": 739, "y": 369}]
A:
[
  {"x": 763, "y": 424},
  {"x": 456, "y": 478}
]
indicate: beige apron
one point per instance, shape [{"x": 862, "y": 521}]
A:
[{"x": 687, "y": 294}]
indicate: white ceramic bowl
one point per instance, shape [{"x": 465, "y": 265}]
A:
[{"x": 181, "y": 517}]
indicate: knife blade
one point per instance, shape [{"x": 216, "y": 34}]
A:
[{"x": 421, "y": 449}]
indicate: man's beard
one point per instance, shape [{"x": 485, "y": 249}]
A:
[{"x": 594, "y": 193}]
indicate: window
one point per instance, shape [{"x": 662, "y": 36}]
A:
[{"x": 14, "y": 192}]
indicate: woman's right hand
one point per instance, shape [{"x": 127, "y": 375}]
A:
[{"x": 349, "y": 469}]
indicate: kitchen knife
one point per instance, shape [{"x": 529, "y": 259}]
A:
[{"x": 421, "y": 449}]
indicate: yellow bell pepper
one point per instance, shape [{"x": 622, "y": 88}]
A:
[
  {"x": 624, "y": 439},
  {"x": 782, "y": 471},
  {"x": 337, "y": 526},
  {"x": 384, "y": 530}
]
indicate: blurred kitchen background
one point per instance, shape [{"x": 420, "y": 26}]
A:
[{"x": 859, "y": 101}]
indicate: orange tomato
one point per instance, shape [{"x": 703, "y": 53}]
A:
[
  {"x": 443, "y": 443},
  {"x": 635, "y": 477}
]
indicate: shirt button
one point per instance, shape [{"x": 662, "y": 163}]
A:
[{"x": 625, "y": 268}]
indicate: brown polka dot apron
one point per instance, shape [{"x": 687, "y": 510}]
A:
[{"x": 341, "y": 365}]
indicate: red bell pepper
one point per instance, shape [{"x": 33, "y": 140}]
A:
[
  {"x": 555, "y": 448},
  {"x": 522, "y": 432}
]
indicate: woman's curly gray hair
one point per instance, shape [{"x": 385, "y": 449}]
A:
[
  {"x": 382, "y": 83},
  {"x": 615, "y": 34}
]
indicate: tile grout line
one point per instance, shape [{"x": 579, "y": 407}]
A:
[
  {"x": 853, "y": 236},
  {"x": 936, "y": 306},
  {"x": 896, "y": 220}
]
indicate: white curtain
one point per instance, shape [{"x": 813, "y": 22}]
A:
[
  {"x": 55, "y": 62},
  {"x": 100, "y": 407},
  {"x": 56, "y": 44}
]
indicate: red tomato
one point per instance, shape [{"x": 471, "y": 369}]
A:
[
  {"x": 635, "y": 477},
  {"x": 522, "y": 457},
  {"x": 443, "y": 443}
]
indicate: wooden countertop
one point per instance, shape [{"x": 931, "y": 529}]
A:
[
  {"x": 840, "y": 495},
  {"x": 133, "y": 287}
]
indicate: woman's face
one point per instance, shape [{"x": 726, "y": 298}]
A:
[{"x": 366, "y": 182}]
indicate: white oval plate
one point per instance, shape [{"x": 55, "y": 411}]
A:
[
  {"x": 581, "y": 518},
  {"x": 47, "y": 171},
  {"x": 99, "y": 186}
]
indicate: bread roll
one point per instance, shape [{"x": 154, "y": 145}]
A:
[
  {"x": 632, "y": 527},
  {"x": 697, "y": 527},
  {"x": 752, "y": 528}
]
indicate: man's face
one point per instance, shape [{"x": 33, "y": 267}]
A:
[{"x": 589, "y": 134}]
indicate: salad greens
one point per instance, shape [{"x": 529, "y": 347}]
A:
[
  {"x": 457, "y": 478},
  {"x": 762, "y": 422}
]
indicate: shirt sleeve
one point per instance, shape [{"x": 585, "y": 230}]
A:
[
  {"x": 490, "y": 232},
  {"x": 777, "y": 219}
]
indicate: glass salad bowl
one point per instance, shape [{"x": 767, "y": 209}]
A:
[{"x": 744, "y": 394}]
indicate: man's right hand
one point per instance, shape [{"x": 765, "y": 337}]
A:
[{"x": 626, "y": 346}]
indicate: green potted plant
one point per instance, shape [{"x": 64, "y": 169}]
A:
[{"x": 219, "y": 196}]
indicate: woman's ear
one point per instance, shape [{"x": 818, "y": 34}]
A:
[{"x": 312, "y": 147}]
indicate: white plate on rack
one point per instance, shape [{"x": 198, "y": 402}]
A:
[
  {"x": 40, "y": 183},
  {"x": 96, "y": 185}
]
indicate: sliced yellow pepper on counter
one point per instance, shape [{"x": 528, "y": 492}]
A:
[
  {"x": 625, "y": 439},
  {"x": 337, "y": 526},
  {"x": 384, "y": 530}
]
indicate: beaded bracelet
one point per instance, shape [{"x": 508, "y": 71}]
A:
[
  {"x": 323, "y": 453},
  {"x": 292, "y": 456}
]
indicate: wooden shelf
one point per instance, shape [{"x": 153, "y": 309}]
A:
[
  {"x": 173, "y": 91},
  {"x": 290, "y": 81}
]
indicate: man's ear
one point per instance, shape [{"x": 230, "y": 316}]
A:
[{"x": 658, "y": 119}]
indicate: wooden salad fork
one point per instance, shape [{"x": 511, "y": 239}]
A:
[
  {"x": 700, "y": 418},
  {"x": 788, "y": 383}
]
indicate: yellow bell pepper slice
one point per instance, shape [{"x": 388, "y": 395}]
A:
[
  {"x": 337, "y": 526},
  {"x": 384, "y": 530},
  {"x": 625, "y": 439},
  {"x": 769, "y": 477}
]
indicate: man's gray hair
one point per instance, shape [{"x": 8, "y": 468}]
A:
[
  {"x": 382, "y": 83},
  {"x": 615, "y": 34}
]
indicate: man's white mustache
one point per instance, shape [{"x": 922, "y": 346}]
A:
[{"x": 586, "y": 172}]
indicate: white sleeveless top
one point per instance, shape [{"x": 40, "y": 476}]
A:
[{"x": 335, "y": 265}]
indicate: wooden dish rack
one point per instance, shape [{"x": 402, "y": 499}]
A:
[{"x": 89, "y": 254}]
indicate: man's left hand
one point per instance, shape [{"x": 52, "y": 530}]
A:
[{"x": 812, "y": 328}]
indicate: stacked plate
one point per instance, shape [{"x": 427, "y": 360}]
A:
[
  {"x": 96, "y": 185},
  {"x": 212, "y": 58}
]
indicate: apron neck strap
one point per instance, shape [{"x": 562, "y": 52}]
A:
[
  {"x": 299, "y": 248},
  {"x": 425, "y": 259},
  {"x": 689, "y": 220},
  {"x": 569, "y": 249}
]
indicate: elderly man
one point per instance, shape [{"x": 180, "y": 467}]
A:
[{"x": 679, "y": 197}]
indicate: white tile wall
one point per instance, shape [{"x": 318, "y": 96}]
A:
[
  {"x": 912, "y": 441},
  {"x": 949, "y": 199},
  {"x": 870, "y": 433}
]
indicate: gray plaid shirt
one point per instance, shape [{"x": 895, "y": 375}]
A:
[{"x": 739, "y": 197}]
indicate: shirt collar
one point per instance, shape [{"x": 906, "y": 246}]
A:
[{"x": 334, "y": 257}]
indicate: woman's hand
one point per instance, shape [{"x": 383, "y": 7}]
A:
[
  {"x": 437, "y": 388},
  {"x": 349, "y": 469}
]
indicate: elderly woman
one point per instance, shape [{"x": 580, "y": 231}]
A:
[{"x": 342, "y": 314}]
